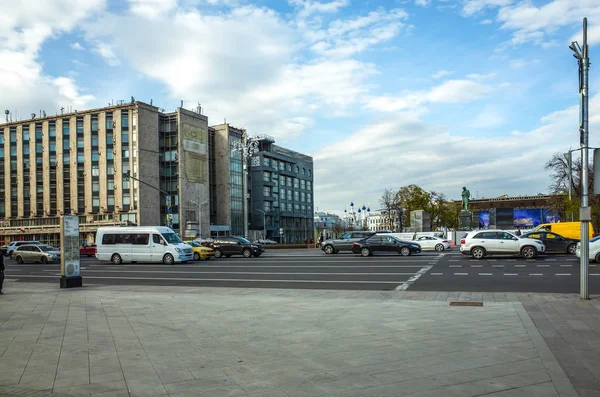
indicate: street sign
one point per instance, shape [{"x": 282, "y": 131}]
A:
[{"x": 280, "y": 230}]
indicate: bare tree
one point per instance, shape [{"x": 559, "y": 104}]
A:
[{"x": 388, "y": 202}]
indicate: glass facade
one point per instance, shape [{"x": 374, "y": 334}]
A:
[
  {"x": 169, "y": 171},
  {"x": 66, "y": 169},
  {"x": 80, "y": 162},
  {"x": 236, "y": 176}
]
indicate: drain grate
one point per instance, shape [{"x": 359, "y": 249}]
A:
[{"x": 466, "y": 303}]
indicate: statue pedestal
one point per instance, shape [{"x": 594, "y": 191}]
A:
[{"x": 465, "y": 220}]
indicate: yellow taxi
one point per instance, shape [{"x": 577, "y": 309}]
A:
[{"x": 201, "y": 252}]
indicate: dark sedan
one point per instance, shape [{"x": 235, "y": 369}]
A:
[
  {"x": 554, "y": 242},
  {"x": 377, "y": 243}
]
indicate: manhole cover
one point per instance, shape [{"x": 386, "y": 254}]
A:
[{"x": 467, "y": 303}]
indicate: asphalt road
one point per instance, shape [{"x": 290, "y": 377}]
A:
[{"x": 429, "y": 271}]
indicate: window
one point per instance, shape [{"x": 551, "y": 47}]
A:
[
  {"x": 267, "y": 176},
  {"x": 281, "y": 166},
  {"x": 109, "y": 239},
  {"x": 123, "y": 239},
  {"x": 156, "y": 239},
  {"x": 281, "y": 181},
  {"x": 126, "y": 199},
  {"x": 95, "y": 202},
  {"x": 125, "y": 153},
  {"x": 296, "y": 196},
  {"x": 302, "y": 184},
  {"x": 296, "y": 183},
  {"x": 95, "y": 170},
  {"x": 95, "y": 186},
  {"x": 288, "y": 167},
  {"x": 303, "y": 197},
  {"x": 267, "y": 191},
  {"x": 95, "y": 156},
  {"x": 289, "y": 181},
  {"x": 297, "y": 207},
  {"x": 266, "y": 161},
  {"x": 274, "y": 163},
  {"x": 303, "y": 171},
  {"x": 110, "y": 185},
  {"x": 309, "y": 185},
  {"x": 297, "y": 169},
  {"x": 309, "y": 173},
  {"x": 267, "y": 205},
  {"x": 140, "y": 239},
  {"x": 289, "y": 195}
]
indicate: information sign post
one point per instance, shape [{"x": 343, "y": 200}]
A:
[{"x": 70, "y": 273}]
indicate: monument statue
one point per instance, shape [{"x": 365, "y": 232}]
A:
[{"x": 466, "y": 195}]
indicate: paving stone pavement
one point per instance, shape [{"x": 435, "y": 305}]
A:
[{"x": 180, "y": 341}]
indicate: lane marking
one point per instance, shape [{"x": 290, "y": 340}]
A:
[
  {"x": 594, "y": 274},
  {"x": 222, "y": 279},
  {"x": 437, "y": 274},
  {"x": 461, "y": 274},
  {"x": 404, "y": 286},
  {"x": 562, "y": 274},
  {"x": 543, "y": 265},
  {"x": 535, "y": 274},
  {"x": 476, "y": 265},
  {"x": 455, "y": 266},
  {"x": 111, "y": 267},
  {"x": 566, "y": 265},
  {"x": 511, "y": 274},
  {"x": 277, "y": 273},
  {"x": 497, "y": 265},
  {"x": 485, "y": 274}
]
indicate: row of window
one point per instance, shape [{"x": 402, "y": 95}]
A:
[
  {"x": 284, "y": 166},
  {"x": 288, "y": 207},
  {"x": 288, "y": 181}
]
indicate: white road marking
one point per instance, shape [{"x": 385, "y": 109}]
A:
[
  {"x": 453, "y": 260},
  {"x": 497, "y": 265},
  {"x": 594, "y": 274},
  {"x": 550, "y": 260},
  {"x": 461, "y": 274},
  {"x": 404, "y": 286},
  {"x": 437, "y": 274},
  {"x": 277, "y": 273},
  {"x": 476, "y": 265},
  {"x": 485, "y": 274},
  {"x": 455, "y": 266},
  {"x": 562, "y": 274},
  {"x": 535, "y": 274},
  {"x": 543, "y": 265},
  {"x": 222, "y": 279},
  {"x": 511, "y": 274},
  {"x": 566, "y": 265}
]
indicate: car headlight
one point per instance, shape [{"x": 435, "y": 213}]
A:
[
  {"x": 254, "y": 246},
  {"x": 177, "y": 249}
]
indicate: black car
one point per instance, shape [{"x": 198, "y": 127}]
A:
[
  {"x": 377, "y": 243},
  {"x": 227, "y": 246},
  {"x": 554, "y": 242}
]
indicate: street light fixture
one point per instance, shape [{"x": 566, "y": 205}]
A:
[{"x": 247, "y": 148}]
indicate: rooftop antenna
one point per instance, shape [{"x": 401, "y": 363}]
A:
[
  {"x": 32, "y": 116},
  {"x": 7, "y": 112},
  {"x": 44, "y": 113},
  {"x": 181, "y": 103},
  {"x": 62, "y": 110},
  {"x": 132, "y": 99},
  {"x": 150, "y": 101}
]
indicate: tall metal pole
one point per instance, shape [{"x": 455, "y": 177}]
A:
[{"x": 585, "y": 213}]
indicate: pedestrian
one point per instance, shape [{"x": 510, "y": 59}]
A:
[
  {"x": 320, "y": 240},
  {"x": 1, "y": 270},
  {"x": 310, "y": 240},
  {"x": 518, "y": 233}
]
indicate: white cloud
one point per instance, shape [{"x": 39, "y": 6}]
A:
[
  {"x": 409, "y": 150},
  {"x": 106, "y": 51},
  {"x": 486, "y": 22},
  {"x": 442, "y": 73},
  {"x": 471, "y": 7},
  {"x": 489, "y": 118},
  {"x": 452, "y": 91},
  {"x": 77, "y": 46},
  {"x": 480, "y": 77},
  {"x": 24, "y": 27},
  {"x": 152, "y": 9},
  {"x": 422, "y": 3},
  {"x": 521, "y": 63},
  {"x": 593, "y": 36}
]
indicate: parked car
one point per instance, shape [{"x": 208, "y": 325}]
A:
[
  {"x": 383, "y": 243},
  {"x": 14, "y": 244},
  {"x": 344, "y": 242},
  {"x": 594, "y": 249},
  {"x": 433, "y": 243},
  {"x": 88, "y": 250},
  {"x": 227, "y": 246},
  {"x": 554, "y": 242},
  {"x": 201, "y": 252},
  {"x": 36, "y": 253},
  {"x": 480, "y": 243}
]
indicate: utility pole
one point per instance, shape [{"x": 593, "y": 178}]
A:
[{"x": 583, "y": 60}]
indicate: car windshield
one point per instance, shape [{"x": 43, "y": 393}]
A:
[
  {"x": 193, "y": 244},
  {"x": 47, "y": 248},
  {"x": 244, "y": 240},
  {"x": 172, "y": 238}
]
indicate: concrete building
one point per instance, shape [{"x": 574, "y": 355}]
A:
[
  {"x": 281, "y": 193},
  {"x": 76, "y": 164}
]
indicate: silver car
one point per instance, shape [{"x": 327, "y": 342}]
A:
[
  {"x": 36, "y": 253},
  {"x": 481, "y": 243},
  {"x": 344, "y": 242}
]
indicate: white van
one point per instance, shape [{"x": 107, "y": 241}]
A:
[{"x": 141, "y": 244}]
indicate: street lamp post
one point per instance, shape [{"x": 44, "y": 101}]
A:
[
  {"x": 247, "y": 148},
  {"x": 264, "y": 223},
  {"x": 199, "y": 213}
]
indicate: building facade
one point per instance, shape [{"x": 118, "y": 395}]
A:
[
  {"x": 77, "y": 164},
  {"x": 281, "y": 193}
]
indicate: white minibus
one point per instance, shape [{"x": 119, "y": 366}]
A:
[{"x": 141, "y": 244}]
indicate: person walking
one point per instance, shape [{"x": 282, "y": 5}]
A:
[{"x": 1, "y": 270}]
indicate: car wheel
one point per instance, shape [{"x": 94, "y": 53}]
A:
[
  {"x": 478, "y": 253},
  {"x": 404, "y": 251},
  {"x": 528, "y": 252},
  {"x": 19, "y": 259},
  {"x": 572, "y": 249},
  {"x": 439, "y": 247},
  {"x": 168, "y": 259},
  {"x": 328, "y": 249},
  {"x": 598, "y": 257},
  {"x": 116, "y": 259},
  {"x": 43, "y": 260},
  {"x": 365, "y": 251},
  {"x": 218, "y": 253},
  {"x": 247, "y": 253},
  {"x": 196, "y": 256}
]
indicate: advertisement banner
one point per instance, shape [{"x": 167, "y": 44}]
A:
[{"x": 69, "y": 258}]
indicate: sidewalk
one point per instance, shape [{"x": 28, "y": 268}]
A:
[{"x": 180, "y": 341}]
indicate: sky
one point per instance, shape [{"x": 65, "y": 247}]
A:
[{"x": 383, "y": 94}]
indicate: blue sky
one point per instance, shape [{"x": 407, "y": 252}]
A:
[{"x": 382, "y": 93}]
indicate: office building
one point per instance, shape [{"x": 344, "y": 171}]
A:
[
  {"x": 77, "y": 164},
  {"x": 281, "y": 193}
]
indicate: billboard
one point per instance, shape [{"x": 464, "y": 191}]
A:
[{"x": 484, "y": 219}]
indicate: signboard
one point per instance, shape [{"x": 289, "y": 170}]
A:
[{"x": 69, "y": 246}]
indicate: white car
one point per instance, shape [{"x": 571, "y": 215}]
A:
[
  {"x": 594, "y": 249},
  {"x": 433, "y": 243},
  {"x": 480, "y": 243}
]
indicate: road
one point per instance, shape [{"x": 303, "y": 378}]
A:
[{"x": 429, "y": 271}]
